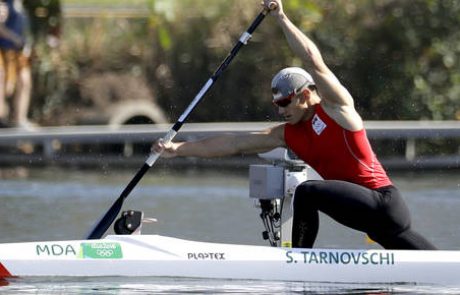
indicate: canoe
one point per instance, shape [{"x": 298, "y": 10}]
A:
[{"x": 161, "y": 256}]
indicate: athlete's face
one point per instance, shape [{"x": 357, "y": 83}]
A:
[{"x": 297, "y": 110}]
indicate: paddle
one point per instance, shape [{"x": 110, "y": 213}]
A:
[{"x": 106, "y": 220}]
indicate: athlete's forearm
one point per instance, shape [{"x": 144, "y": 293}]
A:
[
  {"x": 207, "y": 148},
  {"x": 232, "y": 144}
]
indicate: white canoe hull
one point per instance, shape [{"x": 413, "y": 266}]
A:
[{"x": 159, "y": 256}]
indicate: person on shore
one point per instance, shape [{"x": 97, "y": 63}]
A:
[
  {"x": 15, "y": 71},
  {"x": 323, "y": 129}
]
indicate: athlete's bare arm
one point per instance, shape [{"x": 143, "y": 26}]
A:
[
  {"x": 336, "y": 100},
  {"x": 225, "y": 145}
]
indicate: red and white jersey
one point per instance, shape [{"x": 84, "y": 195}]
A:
[{"x": 334, "y": 152}]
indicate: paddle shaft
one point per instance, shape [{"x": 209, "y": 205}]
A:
[{"x": 104, "y": 223}]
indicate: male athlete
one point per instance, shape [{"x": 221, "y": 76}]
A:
[{"x": 324, "y": 130}]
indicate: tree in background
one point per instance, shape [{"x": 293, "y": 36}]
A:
[
  {"x": 46, "y": 23},
  {"x": 45, "y": 18},
  {"x": 399, "y": 58}
]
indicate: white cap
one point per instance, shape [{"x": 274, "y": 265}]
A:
[{"x": 290, "y": 81}]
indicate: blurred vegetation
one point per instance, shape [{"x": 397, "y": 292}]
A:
[{"x": 399, "y": 59}]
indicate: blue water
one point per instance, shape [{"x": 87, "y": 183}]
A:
[{"x": 59, "y": 204}]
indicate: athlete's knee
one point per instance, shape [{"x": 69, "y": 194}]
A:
[
  {"x": 387, "y": 230},
  {"x": 405, "y": 240},
  {"x": 306, "y": 192},
  {"x": 308, "y": 187}
]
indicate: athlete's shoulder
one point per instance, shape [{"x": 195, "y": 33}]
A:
[{"x": 345, "y": 116}]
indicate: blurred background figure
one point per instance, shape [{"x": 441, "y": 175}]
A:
[{"x": 15, "y": 71}]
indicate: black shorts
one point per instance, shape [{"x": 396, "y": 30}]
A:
[{"x": 381, "y": 213}]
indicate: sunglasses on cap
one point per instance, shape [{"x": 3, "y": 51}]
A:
[{"x": 285, "y": 101}]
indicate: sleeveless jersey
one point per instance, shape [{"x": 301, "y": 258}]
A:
[{"x": 334, "y": 152}]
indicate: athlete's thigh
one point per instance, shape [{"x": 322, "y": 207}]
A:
[{"x": 347, "y": 203}]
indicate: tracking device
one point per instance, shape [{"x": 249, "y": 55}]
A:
[{"x": 273, "y": 187}]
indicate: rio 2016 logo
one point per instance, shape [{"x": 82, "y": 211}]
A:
[{"x": 101, "y": 250}]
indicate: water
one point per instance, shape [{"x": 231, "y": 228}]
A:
[
  {"x": 59, "y": 204},
  {"x": 117, "y": 286}
]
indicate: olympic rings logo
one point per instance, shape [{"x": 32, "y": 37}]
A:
[
  {"x": 101, "y": 250},
  {"x": 104, "y": 252}
]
